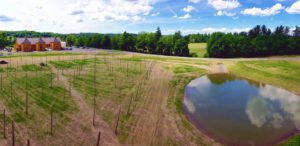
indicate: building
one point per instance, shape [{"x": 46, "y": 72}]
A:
[{"x": 37, "y": 44}]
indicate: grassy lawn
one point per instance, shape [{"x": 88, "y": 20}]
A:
[
  {"x": 198, "y": 48},
  {"x": 118, "y": 77},
  {"x": 283, "y": 74}
]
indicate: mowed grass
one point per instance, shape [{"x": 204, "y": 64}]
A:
[
  {"x": 198, "y": 48},
  {"x": 283, "y": 74}
]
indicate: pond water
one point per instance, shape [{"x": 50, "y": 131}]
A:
[{"x": 237, "y": 111}]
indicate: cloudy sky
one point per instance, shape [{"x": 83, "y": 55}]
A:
[{"x": 116, "y": 16}]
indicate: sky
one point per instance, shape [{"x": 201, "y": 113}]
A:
[{"x": 134, "y": 16}]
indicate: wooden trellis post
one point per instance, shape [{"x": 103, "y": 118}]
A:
[
  {"x": 7, "y": 69},
  {"x": 127, "y": 69},
  {"x": 1, "y": 81},
  {"x": 4, "y": 124},
  {"x": 11, "y": 88},
  {"x": 51, "y": 122},
  {"x": 51, "y": 79},
  {"x": 94, "y": 114},
  {"x": 64, "y": 98},
  {"x": 98, "y": 140},
  {"x": 116, "y": 129},
  {"x": 13, "y": 133},
  {"x": 130, "y": 103},
  {"x": 26, "y": 102}
]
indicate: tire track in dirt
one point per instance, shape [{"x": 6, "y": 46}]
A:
[
  {"x": 83, "y": 120},
  {"x": 149, "y": 112},
  {"x": 156, "y": 123}
]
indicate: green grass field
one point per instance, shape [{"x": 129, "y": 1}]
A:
[
  {"x": 118, "y": 78},
  {"x": 198, "y": 48}
]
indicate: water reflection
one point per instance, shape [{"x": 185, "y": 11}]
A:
[{"x": 239, "y": 111}]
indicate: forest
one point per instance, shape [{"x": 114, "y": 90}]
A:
[
  {"x": 258, "y": 42},
  {"x": 152, "y": 43}
]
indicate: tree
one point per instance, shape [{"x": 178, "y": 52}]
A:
[
  {"x": 81, "y": 41},
  {"x": 160, "y": 46},
  {"x": 141, "y": 42},
  {"x": 70, "y": 40},
  {"x": 297, "y": 32},
  {"x": 181, "y": 48},
  {"x": 3, "y": 40},
  {"x": 114, "y": 42},
  {"x": 177, "y": 36},
  {"x": 95, "y": 41},
  {"x": 158, "y": 34},
  {"x": 168, "y": 45},
  {"x": 105, "y": 42},
  {"x": 127, "y": 42},
  {"x": 151, "y": 43}
]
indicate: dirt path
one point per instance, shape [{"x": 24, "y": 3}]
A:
[
  {"x": 215, "y": 68},
  {"x": 156, "y": 123},
  {"x": 80, "y": 131}
]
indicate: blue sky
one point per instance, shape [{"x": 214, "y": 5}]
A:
[{"x": 116, "y": 16}]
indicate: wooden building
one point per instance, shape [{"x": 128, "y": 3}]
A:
[{"x": 37, "y": 44}]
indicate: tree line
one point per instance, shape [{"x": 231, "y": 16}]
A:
[
  {"x": 259, "y": 41},
  {"x": 153, "y": 43},
  {"x": 198, "y": 38}
]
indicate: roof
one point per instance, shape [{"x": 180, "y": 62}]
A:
[
  {"x": 33, "y": 41},
  {"x": 41, "y": 41}
]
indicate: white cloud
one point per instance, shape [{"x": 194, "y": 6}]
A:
[
  {"x": 224, "y": 4},
  {"x": 266, "y": 12},
  {"x": 113, "y": 9},
  {"x": 222, "y": 13},
  {"x": 225, "y": 30},
  {"x": 294, "y": 9},
  {"x": 186, "y": 16},
  {"x": 206, "y": 30},
  {"x": 194, "y": 1},
  {"x": 188, "y": 9},
  {"x": 155, "y": 14}
]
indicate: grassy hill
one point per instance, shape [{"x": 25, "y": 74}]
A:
[{"x": 198, "y": 48}]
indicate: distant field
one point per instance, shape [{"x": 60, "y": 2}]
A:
[{"x": 198, "y": 48}]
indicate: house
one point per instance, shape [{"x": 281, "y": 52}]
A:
[{"x": 37, "y": 44}]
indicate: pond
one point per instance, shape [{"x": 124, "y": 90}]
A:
[{"x": 237, "y": 111}]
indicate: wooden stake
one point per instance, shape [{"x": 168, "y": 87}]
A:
[
  {"x": 116, "y": 129},
  {"x": 13, "y": 133},
  {"x": 28, "y": 142},
  {"x": 51, "y": 79},
  {"x": 26, "y": 81},
  {"x": 4, "y": 127},
  {"x": 127, "y": 69},
  {"x": 51, "y": 122},
  {"x": 129, "y": 104},
  {"x": 57, "y": 74},
  {"x": 98, "y": 140},
  {"x": 64, "y": 98},
  {"x": 11, "y": 90},
  {"x": 70, "y": 90},
  {"x": 1, "y": 82},
  {"x": 26, "y": 103}
]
